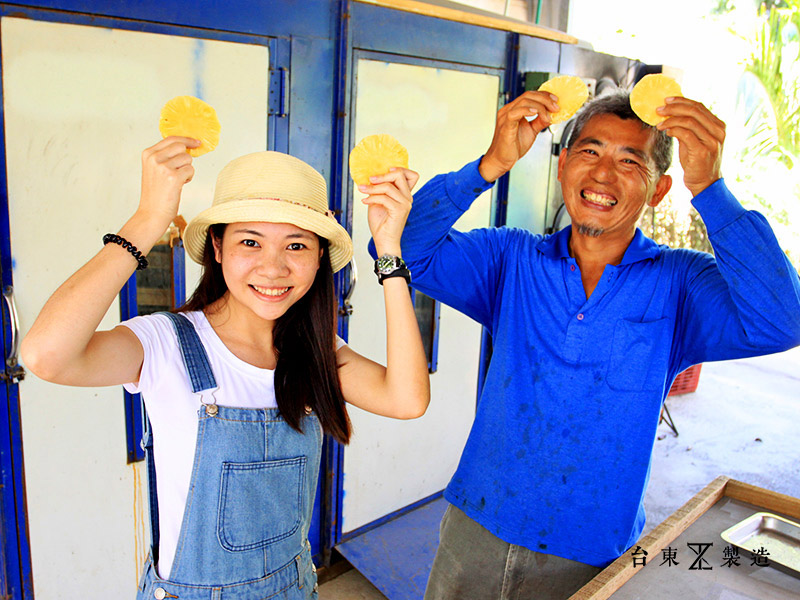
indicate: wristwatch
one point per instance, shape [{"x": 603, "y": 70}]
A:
[{"x": 391, "y": 266}]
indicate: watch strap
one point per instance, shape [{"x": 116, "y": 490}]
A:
[{"x": 401, "y": 272}]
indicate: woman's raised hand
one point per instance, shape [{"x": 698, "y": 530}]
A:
[
  {"x": 64, "y": 344},
  {"x": 401, "y": 389},
  {"x": 166, "y": 168},
  {"x": 389, "y": 200}
]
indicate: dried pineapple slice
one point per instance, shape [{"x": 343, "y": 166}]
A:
[
  {"x": 571, "y": 92},
  {"x": 375, "y": 155},
  {"x": 649, "y": 94},
  {"x": 191, "y": 117}
]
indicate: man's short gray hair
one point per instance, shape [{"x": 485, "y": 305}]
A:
[{"x": 618, "y": 103}]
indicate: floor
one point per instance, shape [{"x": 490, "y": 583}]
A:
[{"x": 741, "y": 422}]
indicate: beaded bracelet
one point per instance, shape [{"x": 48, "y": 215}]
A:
[{"x": 113, "y": 238}]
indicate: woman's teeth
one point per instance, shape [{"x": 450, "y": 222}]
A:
[
  {"x": 271, "y": 291},
  {"x": 598, "y": 198}
]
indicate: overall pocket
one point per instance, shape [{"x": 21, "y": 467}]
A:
[
  {"x": 260, "y": 502},
  {"x": 639, "y": 355}
]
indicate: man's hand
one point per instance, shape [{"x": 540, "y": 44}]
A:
[
  {"x": 514, "y": 134},
  {"x": 700, "y": 138}
]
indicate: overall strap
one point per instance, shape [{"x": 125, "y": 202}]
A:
[
  {"x": 152, "y": 493},
  {"x": 194, "y": 354},
  {"x": 198, "y": 368}
]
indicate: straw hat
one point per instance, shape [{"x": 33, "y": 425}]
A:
[{"x": 275, "y": 188}]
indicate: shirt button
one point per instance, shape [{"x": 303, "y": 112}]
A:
[
  {"x": 572, "y": 267},
  {"x": 580, "y": 316},
  {"x": 160, "y": 593}
]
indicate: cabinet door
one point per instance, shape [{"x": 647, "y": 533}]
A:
[
  {"x": 444, "y": 115},
  {"x": 80, "y": 104}
]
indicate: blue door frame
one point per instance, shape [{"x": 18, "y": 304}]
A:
[
  {"x": 311, "y": 54},
  {"x": 395, "y": 36},
  {"x": 16, "y": 578},
  {"x": 357, "y": 53}
]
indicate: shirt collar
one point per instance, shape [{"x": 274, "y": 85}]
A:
[
  {"x": 640, "y": 248},
  {"x": 556, "y": 245}
]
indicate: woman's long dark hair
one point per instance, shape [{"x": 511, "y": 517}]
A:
[{"x": 304, "y": 339}]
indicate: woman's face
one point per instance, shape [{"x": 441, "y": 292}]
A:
[{"x": 267, "y": 266}]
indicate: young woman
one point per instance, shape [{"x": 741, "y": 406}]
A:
[{"x": 241, "y": 382}]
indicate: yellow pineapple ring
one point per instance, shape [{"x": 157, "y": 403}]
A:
[
  {"x": 650, "y": 93},
  {"x": 375, "y": 155},
  {"x": 191, "y": 117},
  {"x": 571, "y": 92}
]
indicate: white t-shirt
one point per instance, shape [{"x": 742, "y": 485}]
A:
[{"x": 172, "y": 408}]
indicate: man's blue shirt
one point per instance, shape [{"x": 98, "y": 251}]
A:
[{"x": 558, "y": 457}]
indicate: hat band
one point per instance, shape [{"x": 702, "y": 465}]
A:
[{"x": 327, "y": 213}]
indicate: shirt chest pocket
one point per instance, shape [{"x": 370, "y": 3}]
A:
[
  {"x": 260, "y": 502},
  {"x": 639, "y": 355}
]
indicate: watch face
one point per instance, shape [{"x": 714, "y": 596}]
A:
[{"x": 386, "y": 264}]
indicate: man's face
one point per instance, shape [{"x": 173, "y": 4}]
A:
[{"x": 608, "y": 177}]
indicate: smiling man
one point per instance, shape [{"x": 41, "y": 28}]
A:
[{"x": 589, "y": 328}]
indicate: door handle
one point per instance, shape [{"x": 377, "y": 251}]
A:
[
  {"x": 13, "y": 370},
  {"x": 347, "y": 308}
]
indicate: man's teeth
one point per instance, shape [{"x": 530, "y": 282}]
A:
[
  {"x": 599, "y": 199},
  {"x": 271, "y": 291}
]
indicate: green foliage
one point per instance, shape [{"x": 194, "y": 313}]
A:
[
  {"x": 723, "y": 7},
  {"x": 774, "y": 64},
  {"x": 769, "y": 96},
  {"x": 668, "y": 226}
]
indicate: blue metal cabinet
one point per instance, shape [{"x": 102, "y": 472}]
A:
[{"x": 317, "y": 53}]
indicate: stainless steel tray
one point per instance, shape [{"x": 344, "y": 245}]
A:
[{"x": 778, "y": 536}]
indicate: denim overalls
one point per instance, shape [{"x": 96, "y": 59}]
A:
[{"x": 244, "y": 534}]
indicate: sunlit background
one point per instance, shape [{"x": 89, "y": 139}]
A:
[{"x": 740, "y": 58}]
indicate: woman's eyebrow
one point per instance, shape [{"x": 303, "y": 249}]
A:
[
  {"x": 301, "y": 234},
  {"x": 249, "y": 231},
  {"x": 304, "y": 235}
]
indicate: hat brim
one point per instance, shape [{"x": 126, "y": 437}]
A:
[{"x": 340, "y": 246}]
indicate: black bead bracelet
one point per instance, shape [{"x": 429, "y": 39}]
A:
[{"x": 113, "y": 238}]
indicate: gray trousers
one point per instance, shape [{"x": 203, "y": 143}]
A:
[{"x": 473, "y": 564}]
